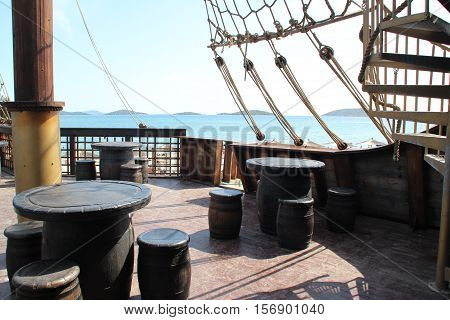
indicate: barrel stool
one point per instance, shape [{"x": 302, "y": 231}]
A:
[
  {"x": 295, "y": 223},
  {"x": 131, "y": 172},
  {"x": 341, "y": 209},
  {"x": 85, "y": 170},
  {"x": 23, "y": 246},
  {"x": 144, "y": 163},
  {"x": 225, "y": 214},
  {"x": 164, "y": 265},
  {"x": 48, "y": 280}
]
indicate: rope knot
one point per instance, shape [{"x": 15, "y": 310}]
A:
[
  {"x": 279, "y": 28},
  {"x": 326, "y": 53}
]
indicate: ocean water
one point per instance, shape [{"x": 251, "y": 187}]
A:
[{"x": 234, "y": 128}]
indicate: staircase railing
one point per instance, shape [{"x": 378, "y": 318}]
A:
[{"x": 406, "y": 73}]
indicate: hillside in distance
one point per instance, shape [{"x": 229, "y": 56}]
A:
[
  {"x": 253, "y": 112},
  {"x": 350, "y": 112}
]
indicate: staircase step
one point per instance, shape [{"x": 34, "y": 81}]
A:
[
  {"x": 428, "y": 91},
  {"x": 409, "y": 61},
  {"x": 437, "y": 162},
  {"x": 424, "y": 26},
  {"x": 427, "y": 140},
  {"x": 439, "y": 118}
]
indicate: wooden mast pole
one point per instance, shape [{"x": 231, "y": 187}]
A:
[{"x": 35, "y": 114}]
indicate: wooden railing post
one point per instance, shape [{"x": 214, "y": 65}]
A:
[{"x": 73, "y": 156}]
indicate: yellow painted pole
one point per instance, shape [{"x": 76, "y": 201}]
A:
[{"x": 35, "y": 116}]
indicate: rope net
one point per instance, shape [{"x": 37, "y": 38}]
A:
[{"x": 237, "y": 22}]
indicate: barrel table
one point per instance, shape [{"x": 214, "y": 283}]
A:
[
  {"x": 85, "y": 170},
  {"x": 225, "y": 213},
  {"x": 131, "y": 172},
  {"x": 164, "y": 264},
  {"x": 89, "y": 222},
  {"x": 48, "y": 280},
  {"x": 112, "y": 156},
  {"x": 3, "y": 144},
  {"x": 23, "y": 246},
  {"x": 280, "y": 178}
]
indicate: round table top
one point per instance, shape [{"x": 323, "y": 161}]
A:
[
  {"x": 46, "y": 274},
  {"x": 24, "y": 230},
  {"x": 82, "y": 200},
  {"x": 3, "y": 144},
  {"x": 163, "y": 238},
  {"x": 275, "y": 163},
  {"x": 116, "y": 145}
]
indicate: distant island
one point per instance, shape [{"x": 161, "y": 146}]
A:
[
  {"x": 76, "y": 113},
  {"x": 187, "y": 114},
  {"x": 123, "y": 113},
  {"x": 347, "y": 113},
  {"x": 253, "y": 112}
]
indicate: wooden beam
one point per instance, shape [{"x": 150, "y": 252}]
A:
[
  {"x": 427, "y": 140},
  {"x": 227, "y": 163},
  {"x": 439, "y": 118},
  {"x": 416, "y": 190}
]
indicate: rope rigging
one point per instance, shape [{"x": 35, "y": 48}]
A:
[
  {"x": 220, "y": 62},
  {"x": 250, "y": 69},
  {"x": 111, "y": 78},
  {"x": 282, "y": 64}
]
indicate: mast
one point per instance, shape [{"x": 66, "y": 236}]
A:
[{"x": 35, "y": 114}]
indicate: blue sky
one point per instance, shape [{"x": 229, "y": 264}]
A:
[{"x": 159, "y": 48}]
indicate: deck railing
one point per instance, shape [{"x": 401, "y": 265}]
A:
[{"x": 160, "y": 146}]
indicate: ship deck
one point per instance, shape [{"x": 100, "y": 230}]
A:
[{"x": 380, "y": 260}]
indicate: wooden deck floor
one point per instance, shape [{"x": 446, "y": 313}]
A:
[{"x": 381, "y": 260}]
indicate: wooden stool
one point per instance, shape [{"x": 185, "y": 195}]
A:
[
  {"x": 164, "y": 265},
  {"x": 85, "y": 170},
  {"x": 48, "y": 280},
  {"x": 144, "y": 163},
  {"x": 131, "y": 172},
  {"x": 295, "y": 223},
  {"x": 341, "y": 209},
  {"x": 225, "y": 213},
  {"x": 23, "y": 246}
]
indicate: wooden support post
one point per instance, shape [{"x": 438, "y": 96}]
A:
[
  {"x": 216, "y": 154},
  {"x": 227, "y": 163},
  {"x": 416, "y": 190},
  {"x": 247, "y": 177},
  {"x": 442, "y": 260},
  {"x": 73, "y": 155}
]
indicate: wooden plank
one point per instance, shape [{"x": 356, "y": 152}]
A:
[
  {"x": 72, "y": 153},
  {"x": 227, "y": 163},
  {"x": 248, "y": 179},
  {"x": 427, "y": 140},
  {"x": 416, "y": 197},
  {"x": 439, "y": 118},
  {"x": 343, "y": 170},
  {"x": 216, "y": 156},
  {"x": 427, "y": 91},
  {"x": 436, "y": 162}
]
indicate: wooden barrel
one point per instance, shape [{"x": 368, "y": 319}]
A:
[
  {"x": 131, "y": 172},
  {"x": 295, "y": 223},
  {"x": 23, "y": 246},
  {"x": 341, "y": 209},
  {"x": 225, "y": 214},
  {"x": 107, "y": 255},
  {"x": 144, "y": 163},
  {"x": 85, "y": 170},
  {"x": 164, "y": 265},
  {"x": 48, "y": 280}
]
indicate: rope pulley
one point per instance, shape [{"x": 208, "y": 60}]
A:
[
  {"x": 280, "y": 61},
  {"x": 326, "y": 52}
]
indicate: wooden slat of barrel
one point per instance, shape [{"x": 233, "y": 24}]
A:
[
  {"x": 225, "y": 214},
  {"x": 23, "y": 246},
  {"x": 164, "y": 265},
  {"x": 48, "y": 280},
  {"x": 295, "y": 223}
]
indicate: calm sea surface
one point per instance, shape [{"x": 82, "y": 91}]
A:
[{"x": 350, "y": 129}]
